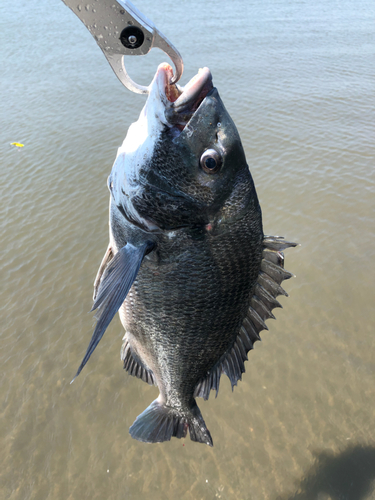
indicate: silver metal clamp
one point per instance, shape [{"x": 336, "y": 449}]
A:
[{"x": 121, "y": 29}]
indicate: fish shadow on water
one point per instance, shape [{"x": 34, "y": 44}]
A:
[{"x": 348, "y": 475}]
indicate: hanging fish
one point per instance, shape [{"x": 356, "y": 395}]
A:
[{"x": 187, "y": 266}]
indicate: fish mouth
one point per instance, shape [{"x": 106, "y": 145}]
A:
[{"x": 181, "y": 103}]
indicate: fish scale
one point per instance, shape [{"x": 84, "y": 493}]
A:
[{"x": 207, "y": 325}]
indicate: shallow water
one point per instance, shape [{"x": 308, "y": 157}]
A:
[{"x": 298, "y": 80}]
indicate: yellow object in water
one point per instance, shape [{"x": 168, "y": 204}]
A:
[{"x": 17, "y": 144}]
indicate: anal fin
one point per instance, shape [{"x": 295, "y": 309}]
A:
[{"x": 134, "y": 366}]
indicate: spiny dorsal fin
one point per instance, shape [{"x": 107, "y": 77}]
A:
[
  {"x": 277, "y": 243},
  {"x": 263, "y": 300}
]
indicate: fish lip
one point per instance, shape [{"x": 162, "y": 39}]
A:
[
  {"x": 195, "y": 91},
  {"x": 181, "y": 103}
]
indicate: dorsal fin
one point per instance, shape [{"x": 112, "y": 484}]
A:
[{"x": 263, "y": 300}]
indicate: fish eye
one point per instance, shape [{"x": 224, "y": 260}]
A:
[{"x": 211, "y": 161}]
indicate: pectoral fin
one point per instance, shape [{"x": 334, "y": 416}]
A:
[{"x": 114, "y": 286}]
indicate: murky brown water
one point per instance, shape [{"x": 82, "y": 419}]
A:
[{"x": 298, "y": 80}]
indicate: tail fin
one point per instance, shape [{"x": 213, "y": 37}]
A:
[{"x": 160, "y": 422}]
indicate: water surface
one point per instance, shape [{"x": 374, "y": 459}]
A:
[{"x": 298, "y": 80}]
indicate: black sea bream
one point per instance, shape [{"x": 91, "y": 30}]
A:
[{"x": 187, "y": 264}]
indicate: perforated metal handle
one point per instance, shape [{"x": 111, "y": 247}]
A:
[{"x": 121, "y": 29}]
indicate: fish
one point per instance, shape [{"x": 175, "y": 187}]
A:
[{"x": 188, "y": 266}]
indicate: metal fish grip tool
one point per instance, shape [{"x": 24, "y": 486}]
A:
[{"x": 120, "y": 29}]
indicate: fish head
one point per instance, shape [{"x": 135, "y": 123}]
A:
[{"x": 182, "y": 163}]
